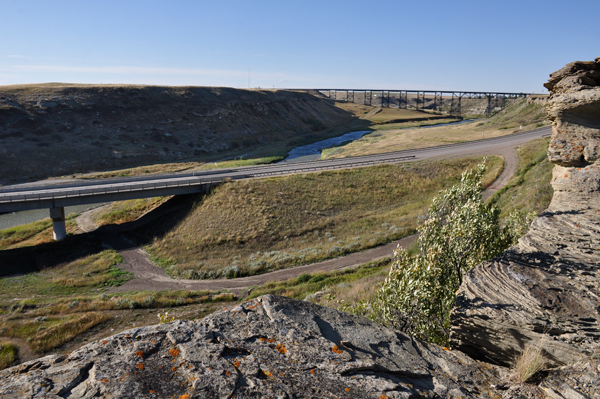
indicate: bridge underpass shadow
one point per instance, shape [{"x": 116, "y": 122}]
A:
[
  {"x": 31, "y": 259},
  {"x": 24, "y": 260},
  {"x": 153, "y": 224}
]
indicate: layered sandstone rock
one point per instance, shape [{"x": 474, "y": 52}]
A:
[
  {"x": 548, "y": 286},
  {"x": 272, "y": 347}
]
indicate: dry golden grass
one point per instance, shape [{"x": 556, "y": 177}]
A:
[
  {"x": 143, "y": 170},
  {"x": 58, "y": 334},
  {"x": 32, "y": 234},
  {"x": 45, "y": 334},
  {"x": 358, "y": 110},
  {"x": 127, "y": 211},
  {"x": 252, "y": 226},
  {"x": 19, "y": 234},
  {"x": 388, "y": 138},
  {"x": 530, "y": 362},
  {"x": 387, "y": 115}
]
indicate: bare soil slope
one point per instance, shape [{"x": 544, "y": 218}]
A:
[{"x": 57, "y": 129}]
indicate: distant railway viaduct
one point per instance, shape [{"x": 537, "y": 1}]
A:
[{"x": 450, "y": 102}]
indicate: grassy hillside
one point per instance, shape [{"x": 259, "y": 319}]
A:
[
  {"x": 86, "y": 128},
  {"x": 249, "y": 227}
]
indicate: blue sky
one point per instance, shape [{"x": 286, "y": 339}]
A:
[{"x": 504, "y": 45}]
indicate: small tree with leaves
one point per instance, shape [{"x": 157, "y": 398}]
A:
[{"x": 460, "y": 232}]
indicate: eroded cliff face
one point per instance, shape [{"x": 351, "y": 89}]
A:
[
  {"x": 53, "y": 130},
  {"x": 548, "y": 286},
  {"x": 271, "y": 347}
]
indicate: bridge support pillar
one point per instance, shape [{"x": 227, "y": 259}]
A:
[{"x": 58, "y": 223}]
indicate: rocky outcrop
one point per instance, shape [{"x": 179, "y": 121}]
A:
[
  {"x": 547, "y": 288},
  {"x": 84, "y": 128},
  {"x": 269, "y": 347}
]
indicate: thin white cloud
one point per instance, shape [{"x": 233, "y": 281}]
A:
[
  {"x": 129, "y": 70},
  {"x": 15, "y": 56}
]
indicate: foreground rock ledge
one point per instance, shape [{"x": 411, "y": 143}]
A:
[
  {"x": 548, "y": 286},
  {"x": 269, "y": 347}
]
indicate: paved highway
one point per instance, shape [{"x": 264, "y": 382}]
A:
[{"x": 52, "y": 195}]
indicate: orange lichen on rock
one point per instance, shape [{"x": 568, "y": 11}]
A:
[
  {"x": 347, "y": 389},
  {"x": 151, "y": 391},
  {"x": 140, "y": 353},
  {"x": 446, "y": 349},
  {"x": 313, "y": 371},
  {"x": 337, "y": 350},
  {"x": 268, "y": 373},
  {"x": 236, "y": 364},
  {"x": 186, "y": 396},
  {"x": 227, "y": 373},
  {"x": 383, "y": 396},
  {"x": 173, "y": 352},
  {"x": 140, "y": 366},
  {"x": 103, "y": 380},
  {"x": 280, "y": 348}
]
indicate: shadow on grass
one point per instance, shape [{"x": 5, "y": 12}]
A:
[
  {"x": 25, "y": 260},
  {"x": 19, "y": 261}
]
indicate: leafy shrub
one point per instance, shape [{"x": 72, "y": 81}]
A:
[
  {"x": 8, "y": 354},
  {"x": 148, "y": 301},
  {"x": 304, "y": 277},
  {"x": 460, "y": 232}
]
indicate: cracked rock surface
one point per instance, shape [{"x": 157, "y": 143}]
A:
[
  {"x": 269, "y": 347},
  {"x": 548, "y": 286}
]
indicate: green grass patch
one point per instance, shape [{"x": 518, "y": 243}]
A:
[
  {"x": 305, "y": 285},
  {"x": 93, "y": 271},
  {"x": 530, "y": 188},
  {"x": 8, "y": 354},
  {"x": 21, "y": 233}
]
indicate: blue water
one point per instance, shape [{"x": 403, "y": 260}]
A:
[
  {"x": 312, "y": 151},
  {"x": 18, "y": 218}
]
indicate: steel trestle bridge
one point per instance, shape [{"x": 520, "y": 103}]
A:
[{"x": 421, "y": 99}]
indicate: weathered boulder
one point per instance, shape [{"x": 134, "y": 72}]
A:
[
  {"x": 548, "y": 286},
  {"x": 271, "y": 347}
]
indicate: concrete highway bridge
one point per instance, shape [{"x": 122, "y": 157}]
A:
[
  {"x": 435, "y": 100},
  {"x": 56, "y": 196}
]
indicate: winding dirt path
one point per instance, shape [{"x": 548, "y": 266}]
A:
[
  {"x": 148, "y": 276},
  {"x": 85, "y": 221}
]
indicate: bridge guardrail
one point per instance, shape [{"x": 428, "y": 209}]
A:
[{"x": 57, "y": 193}]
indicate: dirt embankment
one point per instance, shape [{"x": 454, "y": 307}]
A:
[{"x": 54, "y": 129}]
